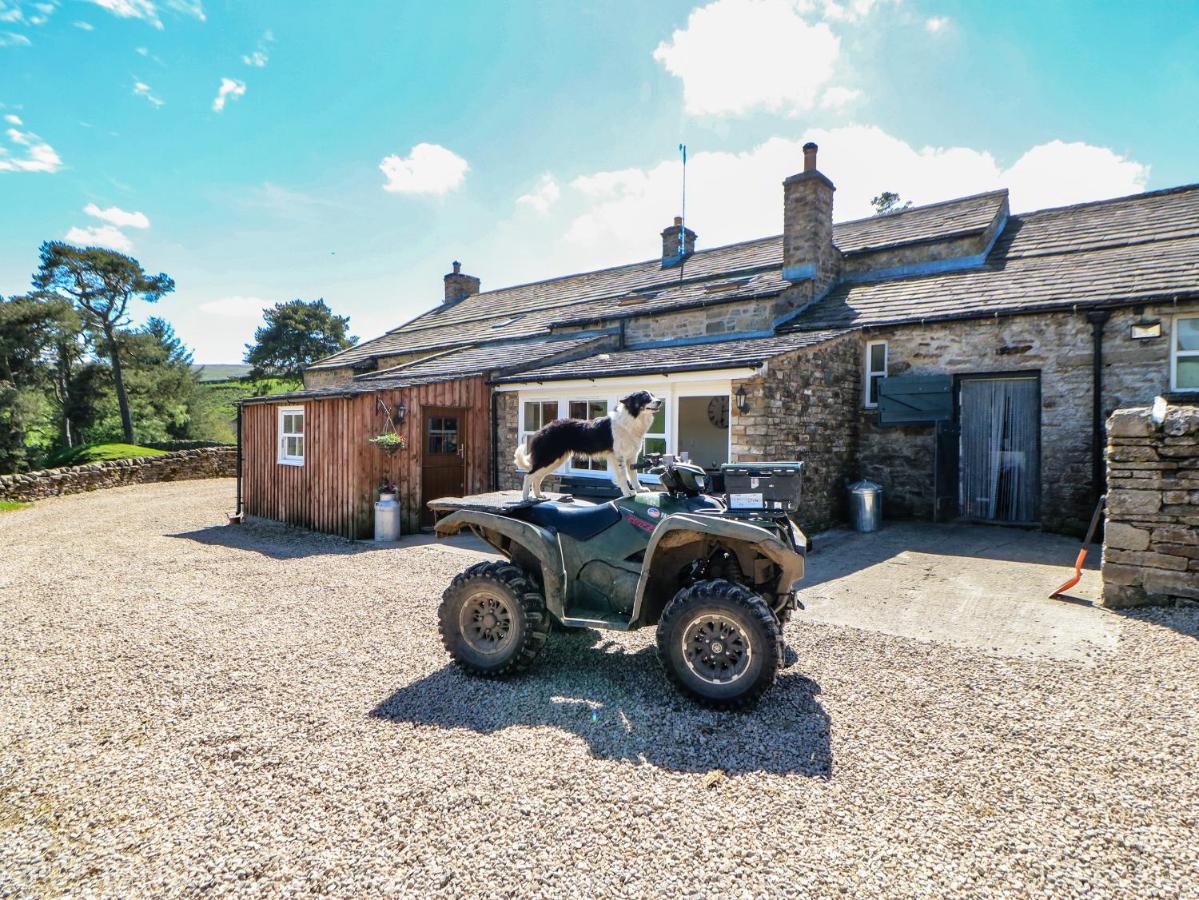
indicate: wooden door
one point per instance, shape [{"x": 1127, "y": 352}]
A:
[{"x": 443, "y": 463}]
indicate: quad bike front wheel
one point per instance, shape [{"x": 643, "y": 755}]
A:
[
  {"x": 720, "y": 643},
  {"x": 493, "y": 620}
]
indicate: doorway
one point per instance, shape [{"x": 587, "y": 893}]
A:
[
  {"x": 443, "y": 457},
  {"x": 703, "y": 429},
  {"x": 1000, "y": 448}
]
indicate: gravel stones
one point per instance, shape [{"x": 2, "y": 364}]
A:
[{"x": 194, "y": 708}]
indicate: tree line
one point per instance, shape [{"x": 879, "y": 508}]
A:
[{"x": 74, "y": 370}]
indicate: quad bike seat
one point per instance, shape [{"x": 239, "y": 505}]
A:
[{"x": 576, "y": 521}]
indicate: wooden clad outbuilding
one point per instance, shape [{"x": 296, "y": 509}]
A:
[{"x": 328, "y": 480}]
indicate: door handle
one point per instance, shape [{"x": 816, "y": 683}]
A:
[{"x": 462, "y": 451}]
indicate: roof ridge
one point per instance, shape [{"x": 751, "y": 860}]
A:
[
  {"x": 923, "y": 206},
  {"x": 1177, "y": 189}
]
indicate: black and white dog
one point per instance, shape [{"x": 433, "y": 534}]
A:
[{"x": 616, "y": 438}]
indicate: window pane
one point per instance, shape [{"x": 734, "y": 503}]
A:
[
  {"x": 549, "y": 411},
  {"x": 655, "y": 445},
  {"x": 451, "y": 443},
  {"x": 578, "y": 409},
  {"x": 875, "y": 380},
  {"x": 598, "y": 408},
  {"x": 1188, "y": 373},
  {"x": 1188, "y": 334},
  {"x": 659, "y": 423},
  {"x": 435, "y": 443},
  {"x": 532, "y": 416},
  {"x": 300, "y": 447},
  {"x": 878, "y": 357}
]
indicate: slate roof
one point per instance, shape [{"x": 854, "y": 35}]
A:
[
  {"x": 719, "y": 275},
  {"x": 1051, "y": 259},
  {"x": 743, "y": 352},
  {"x": 459, "y": 362}
]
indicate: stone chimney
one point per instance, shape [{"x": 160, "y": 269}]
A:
[
  {"x": 810, "y": 259},
  {"x": 459, "y": 286},
  {"x": 670, "y": 243}
]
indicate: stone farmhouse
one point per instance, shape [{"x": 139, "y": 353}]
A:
[{"x": 962, "y": 356}]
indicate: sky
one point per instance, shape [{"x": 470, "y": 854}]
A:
[{"x": 259, "y": 152}]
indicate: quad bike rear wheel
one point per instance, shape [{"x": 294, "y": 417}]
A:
[
  {"x": 720, "y": 643},
  {"x": 493, "y": 620}
]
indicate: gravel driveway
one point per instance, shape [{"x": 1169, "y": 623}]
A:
[{"x": 194, "y": 708}]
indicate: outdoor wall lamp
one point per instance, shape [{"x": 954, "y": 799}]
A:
[
  {"x": 1140, "y": 331},
  {"x": 401, "y": 413},
  {"x": 742, "y": 400}
]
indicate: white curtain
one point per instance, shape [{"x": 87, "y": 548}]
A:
[{"x": 999, "y": 461}]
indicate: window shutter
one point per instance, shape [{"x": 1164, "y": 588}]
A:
[{"x": 913, "y": 399}]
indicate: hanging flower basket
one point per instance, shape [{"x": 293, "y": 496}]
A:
[{"x": 389, "y": 442}]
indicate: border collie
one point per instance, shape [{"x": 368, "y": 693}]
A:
[{"x": 616, "y": 438}]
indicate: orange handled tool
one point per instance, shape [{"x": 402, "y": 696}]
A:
[{"x": 1082, "y": 553}]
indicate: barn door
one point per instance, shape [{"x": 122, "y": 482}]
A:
[
  {"x": 443, "y": 463},
  {"x": 1000, "y": 464}
]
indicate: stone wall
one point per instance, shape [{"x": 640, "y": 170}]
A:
[
  {"x": 1151, "y": 541},
  {"x": 1058, "y": 346},
  {"x": 805, "y": 408},
  {"x": 707, "y": 321},
  {"x": 210, "y": 462}
]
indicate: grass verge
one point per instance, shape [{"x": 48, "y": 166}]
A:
[{"x": 90, "y": 453}]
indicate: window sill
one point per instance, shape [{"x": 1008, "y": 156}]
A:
[{"x": 291, "y": 462}]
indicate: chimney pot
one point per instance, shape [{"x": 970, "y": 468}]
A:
[
  {"x": 678, "y": 220},
  {"x": 809, "y": 157},
  {"x": 457, "y": 267}
]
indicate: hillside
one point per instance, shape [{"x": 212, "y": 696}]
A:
[{"x": 221, "y": 371}]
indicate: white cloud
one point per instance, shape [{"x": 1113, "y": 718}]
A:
[
  {"x": 13, "y": 119},
  {"x": 141, "y": 89},
  {"x": 147, "y": 10},
  {"x": 84, "y": 26},
  {"x": 259, "y": 58},
  {"x": 236, "y": 307},
  {"x": 114, "y": 215},
  {"x": 132, "y": 9},
  {"x": 230, "y": 89},
  {"x": 12, "y": 39},
  {"x": 100, "y": 236},
  {"x": 838, "y": 97},
  {"x": 737, "y": 55},
  {"x": 1059, "y": 173},
  {"x": 14, "y": 12},
  {"x": 35, "y": 155},
  {"x": 852, "y": 11},
  {"x": 543, "y": 196},
  {"x": 615, "y": 216},
  {"x": 428, "y": 169},
  {"x": 935, "y": 24}
]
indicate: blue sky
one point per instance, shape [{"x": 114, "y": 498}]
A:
[{"x": 262, "y": 151}]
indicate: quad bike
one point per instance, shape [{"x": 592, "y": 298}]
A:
[{"x": 718, "y": 582}]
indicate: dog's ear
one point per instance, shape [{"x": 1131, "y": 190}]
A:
[{"x": 635, "y": 402}]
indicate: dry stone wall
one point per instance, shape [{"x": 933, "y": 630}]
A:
[
  {"x": 1151, "y": 541},
  {"x": 209, "y": 462}
]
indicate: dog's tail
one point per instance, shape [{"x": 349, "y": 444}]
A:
[{"x": 521, "y": 458}]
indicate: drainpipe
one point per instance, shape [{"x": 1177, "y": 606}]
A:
[
  {"x": 495, "y": 439},
  {"x": 1098, "y": 318}
]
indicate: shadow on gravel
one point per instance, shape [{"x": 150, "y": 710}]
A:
[
  {"x": 281, "y": 542},
  {"x": 623, "y": 706}
]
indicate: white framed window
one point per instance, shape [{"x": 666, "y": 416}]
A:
[
  {"x": 706, "y": 432},
  {"x": 586, "y": 409},
  {"x": 1184, "y": 354},
  {"x": 876, "y": 371},
  {"x": 291, "y": 435},
  {"x": 534, "y": 415}
]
